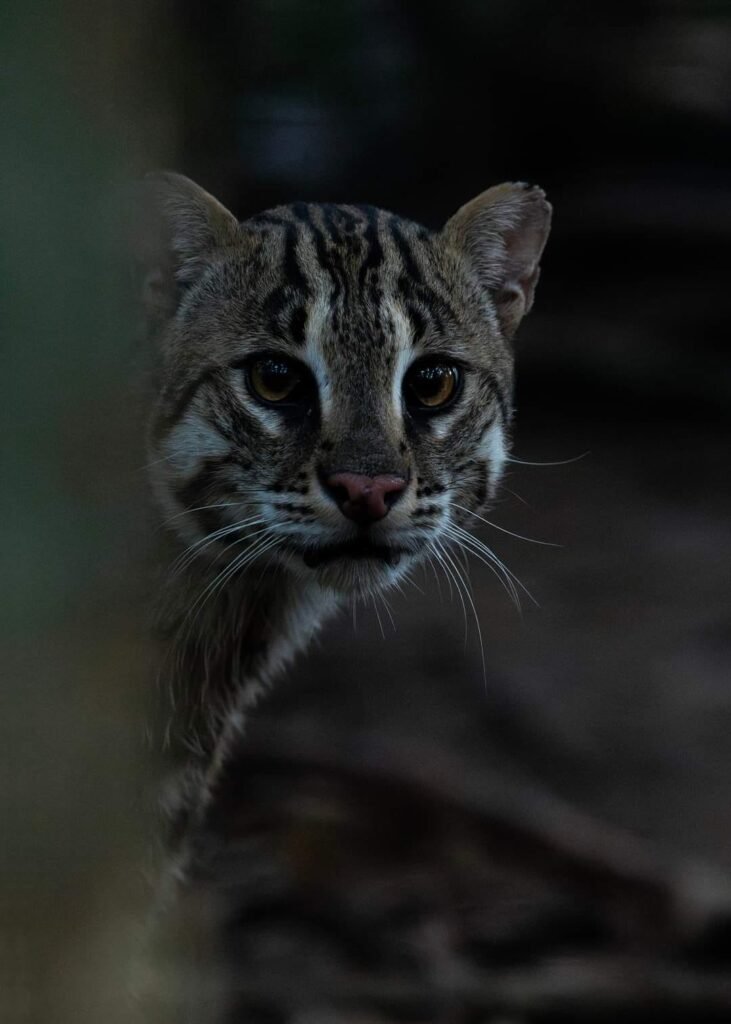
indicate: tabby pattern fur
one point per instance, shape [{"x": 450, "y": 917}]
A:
[{"x": 353, "y": 298}]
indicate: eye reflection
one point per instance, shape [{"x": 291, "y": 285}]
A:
[
  {"x": 431, "y": 385},
  {"x": 276, "y": 379}
]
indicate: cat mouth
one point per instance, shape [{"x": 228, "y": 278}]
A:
[{"x": 352, "y": 550}]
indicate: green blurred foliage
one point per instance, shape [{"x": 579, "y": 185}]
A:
[{"x": 82, "y": 112}]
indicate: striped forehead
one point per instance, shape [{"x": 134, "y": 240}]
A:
[
  {"x": 352, "y": 255},
  {"x": 342, "y": 275}
]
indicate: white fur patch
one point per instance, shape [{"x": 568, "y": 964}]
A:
[
  {"x": 191, "y": 441},
  {"x": 494, "y": 451},
  {"x": 317, "y": 319},
  {"x": 404, "y": 352}
]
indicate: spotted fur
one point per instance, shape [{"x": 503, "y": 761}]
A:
[{"x": 357, "y": 295}]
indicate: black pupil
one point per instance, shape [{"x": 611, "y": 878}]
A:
[
  {"x": 276, "y": 377},
  {"x": 430, "y": 381}
]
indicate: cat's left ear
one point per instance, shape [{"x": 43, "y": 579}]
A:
[
  {"x": 181, "y": 226},
  {"x": 502, "y": 234}
]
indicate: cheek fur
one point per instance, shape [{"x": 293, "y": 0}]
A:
[
  {"x": 188, "y": 444},
  {"x": 493, "y": 450}
]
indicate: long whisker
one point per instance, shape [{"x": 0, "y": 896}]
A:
[
  {"x": 488, "y": 558},
  {"x": 448, "y": 578},
  {"x": 440, "y": 553},
  {"x": 387, "y": 606},
  {"x": 223, "y": 573},
  {"x": 266, "y": 544},
  {"x": 480, "y": 546},
  {"x": 238, "y": 563},
  {"x": 487, "y": 555},
  {"x": 515, "y": 494},
  {"x": 502, "y": 529},
  {"x": 193, "y": 550},
  {"x": 469, "y": 597},
  {"x": 491, "y": 563},
  {"x": 156, "y": 462},
  {"x": 378, "y": 616},
  {"x": 199, "y": 508},
  {"x": 431, "y": 565},
  {"x": 560, "y": 462}
]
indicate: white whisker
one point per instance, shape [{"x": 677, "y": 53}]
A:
[
  {"x": 516, "y": 495},
  {"x": 487, "y": 555},
  {"x": 440, "y": 553},
  {"x": 199, "y": 508},
  {"x": 469, "y": 597},
  {"x": 502, "y": 529},
  {"x": 234, "y": 566},
  {"x": 431, "y": 565},
  {"x": 378, "y": 616},
  {"x": 387, "y": 606},
  {"x": 560, "y": 462},
  {"x": 484, "y": 554},
  {"x": 194, "y": 549}
]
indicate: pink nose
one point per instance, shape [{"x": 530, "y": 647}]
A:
[{"x": 364, "y": 498}]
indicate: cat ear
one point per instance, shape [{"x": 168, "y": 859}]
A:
[
  {"x": 181, "y": 225},
  {"x": 502, "y": 233}
]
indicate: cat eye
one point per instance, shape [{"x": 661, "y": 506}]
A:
[
  {"x": 275, "y": 379},
  {"x": 431, "y": 385}
]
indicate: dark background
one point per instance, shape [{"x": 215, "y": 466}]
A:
[{"x": 615, "y": 695}]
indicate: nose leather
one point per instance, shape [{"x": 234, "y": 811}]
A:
[{"x": 365, "y": 499}]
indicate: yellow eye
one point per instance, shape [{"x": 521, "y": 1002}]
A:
[
  {"x": 431, "y": 385},
  {"x": 275, "y": 378}
]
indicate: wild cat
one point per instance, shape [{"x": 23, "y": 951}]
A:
[{"x": 333, "y": 401}]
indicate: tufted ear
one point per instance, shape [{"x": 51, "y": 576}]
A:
[
  {"x": 501, "y": 234},
  {"x": 180, "y": 227}
]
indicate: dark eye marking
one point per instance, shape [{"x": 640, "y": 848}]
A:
[{"x": 297, "y": 325}]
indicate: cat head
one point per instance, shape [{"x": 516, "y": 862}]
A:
[{"x": 334, "y": 382}]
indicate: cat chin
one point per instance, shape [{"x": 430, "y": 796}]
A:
[{"x": 357, "y": 577}]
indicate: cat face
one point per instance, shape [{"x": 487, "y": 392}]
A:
[{"x": 335, "y": 382}]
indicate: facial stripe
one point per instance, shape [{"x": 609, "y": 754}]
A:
[
  {"x": 356, "y": 294},
  {"x": 373, "y": 253},
  {"x": 181, "y": 403},
  {"x": 409, "y": 263}
]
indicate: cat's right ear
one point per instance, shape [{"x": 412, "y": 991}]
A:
[
  {"x": 501, "y": 234},
  {"x": 179, "y": 227}
]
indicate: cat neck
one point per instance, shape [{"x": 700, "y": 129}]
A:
[{"x": 224, "y": 647}]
